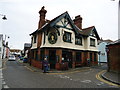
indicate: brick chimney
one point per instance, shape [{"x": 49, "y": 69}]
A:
[
  {"x": 78, "y": 21},
  {"x": 42, "y": 13}
]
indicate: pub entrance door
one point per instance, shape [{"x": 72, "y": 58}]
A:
[
  {"x": 52, "y": 58},
  {"x": 67, "y": 56}
]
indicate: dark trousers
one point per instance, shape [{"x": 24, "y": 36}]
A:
[{"x": 45, "y": 68}]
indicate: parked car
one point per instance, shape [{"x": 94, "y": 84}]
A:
[
  {"x": 11, "y": 58},
  {"x": 25, "y": 60},
  {"x": 21, "y": 58}
]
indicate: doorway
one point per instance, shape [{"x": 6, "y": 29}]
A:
[
  {"x": 67, "y": 57},
  {"x": 90, "y": 58},
  {"x": 52, "y": 58}
]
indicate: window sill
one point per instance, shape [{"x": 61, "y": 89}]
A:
[
  {"x": 79, "y": 44},
  {"x": 92, "y": 46},
  {"x": 67, "y": 42}
]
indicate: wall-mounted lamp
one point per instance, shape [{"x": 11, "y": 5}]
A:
[{"x": 4, "y": 17}]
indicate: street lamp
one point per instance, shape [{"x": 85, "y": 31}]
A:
[
  {"x": 99, "y": 57},
  {"x": 4, "y": 17},
  {"x": 4, "y": 45}
]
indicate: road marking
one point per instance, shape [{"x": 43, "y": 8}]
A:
[
  {"x": 29, "y": 69},
  {"x": 101, "y": 83},
  {"x": 3, "y": 82},
  {"x": 69, "y": 72},
  {"x": 5, "y": 86},
  {"x": 105, "y": 81},
  {"x": 50, "y": 73},
  {"x": 86, "y": 81},
  {"x": 1, "y": 76}
]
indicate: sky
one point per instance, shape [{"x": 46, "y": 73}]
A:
[{"x": 23, "y": 17}]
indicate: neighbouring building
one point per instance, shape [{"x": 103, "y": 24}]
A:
[
  {"x": 4, "y": 49},
  {"x": 102, "y": 50},
  {"x": 113, "y": 51},
  {"x": 63, "y": 40},
  {"x": 15, "y": 52},
  {"x": 27, "y": 47},
  {"x": 1, "y": 46}
]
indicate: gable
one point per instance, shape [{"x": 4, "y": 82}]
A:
[
  {"x": 92, "y": 33},
  {"x": 64, "y": 23},
  {"x": 63, "y": 20}
]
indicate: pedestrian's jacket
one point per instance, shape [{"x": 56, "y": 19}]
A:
[{"x": 45, "y": 63}]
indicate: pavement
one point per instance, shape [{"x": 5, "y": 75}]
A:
[
  {"x": 109, "y": 76},
  {"x": 0, "y": 74},
  {"x": 54, "y": 71}
]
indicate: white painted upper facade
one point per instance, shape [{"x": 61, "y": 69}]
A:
[{"x": 61, "y": 44}]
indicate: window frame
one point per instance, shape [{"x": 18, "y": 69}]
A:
[
  {"x": 78, "y": 42},
  {"x": 68, "y": 36},
  {"x": 92, "y": 42},
  {"x": 35, "y": 39},
  {"x": 79, "y": 59}
]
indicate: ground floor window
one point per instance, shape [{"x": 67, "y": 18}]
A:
[
  {"x": 90, "y": 56},
  {"x": 36, "y": 55},
  {"x": 41, "y": 55},
  {"x": 78, "y": 57}
]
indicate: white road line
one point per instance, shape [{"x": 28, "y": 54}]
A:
[
  {"x": 86, "y": 81},
  {"x": 1, "y": 76},
  {"x": 3, "y": 82},
  {"x": 5, "y": 86},
  {"x": 101, "y": 83},
  {"x": 2, "y": 79}
]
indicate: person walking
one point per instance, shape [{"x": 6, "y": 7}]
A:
[{"x": 45, "y": 65}]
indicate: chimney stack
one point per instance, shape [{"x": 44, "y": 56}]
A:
[
  {"x": 78, "y": 21},
  {"x": 42, "y": 13}
]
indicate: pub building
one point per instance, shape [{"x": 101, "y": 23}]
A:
[{"x": 63, "y": 41}]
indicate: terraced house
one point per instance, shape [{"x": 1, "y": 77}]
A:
[{"x": 63, "y": 40}]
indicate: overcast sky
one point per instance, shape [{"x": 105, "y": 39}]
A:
[{"x": 23, "y": 17}]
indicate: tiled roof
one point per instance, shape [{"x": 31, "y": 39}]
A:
[
  {"x": 87, "y": 31},
  {"x": 115, "y": 42}
]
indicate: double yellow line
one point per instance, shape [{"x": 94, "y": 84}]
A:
[
  {"x": 69, "y": 72},
  {"x": 105, "y": 81}
]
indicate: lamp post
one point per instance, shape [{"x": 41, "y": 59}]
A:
[
  {"x": 99, "y": 57},
  {"x": 4, "y": 18},
  {"x": 108, "y": 62},
  {"x": 4, "y": 45}
]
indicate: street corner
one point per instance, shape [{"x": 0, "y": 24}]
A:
[
  {"x": 100, "y": 76},
  {"x": 57, "y": 72},
  {"x": 71, "y": 71}
]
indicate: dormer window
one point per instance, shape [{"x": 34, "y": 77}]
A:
[
  {"x": 92, "y": 42},
  {"x": 35, "y": 39},
  {"x": 78, "y": 40},
  {"x": 92, "y": 33},
  {"x": 67, "y": 37}
]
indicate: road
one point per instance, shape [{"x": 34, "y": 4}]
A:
[{"x": 17, "y": 76}]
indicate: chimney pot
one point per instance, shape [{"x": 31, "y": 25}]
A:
[{"x": 42, "y": 13}]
